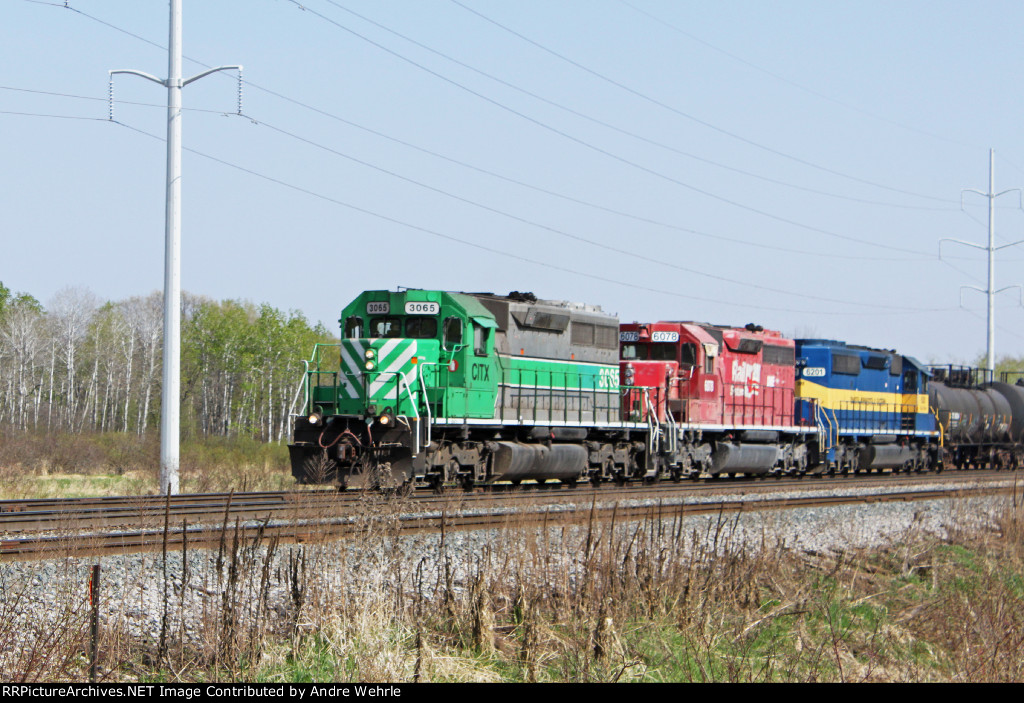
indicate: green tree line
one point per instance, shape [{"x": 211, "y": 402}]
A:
[{"x": 81, "y": 364}]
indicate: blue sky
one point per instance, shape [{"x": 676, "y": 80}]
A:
[{"x": 792, "y": 164}]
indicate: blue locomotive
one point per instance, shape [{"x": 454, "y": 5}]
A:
[{"x": 870, "y": 407}]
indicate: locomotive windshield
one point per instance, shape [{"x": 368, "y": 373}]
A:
[
  {"x": 386, "y": 327},
  {"x": 663, "y": 351},
  {"x": 421, "y": 327},
  {"x": 657, "y": 351}
]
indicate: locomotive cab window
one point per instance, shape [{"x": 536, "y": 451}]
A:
[
  {"x": 910, "y": 382},
  {"x": 421, "y": 327},
  {"x": 386, "y": 327},
  {"x": 452, "y": 333},
  {"x": 688, "y": 354},
  {"x": 631, "y": 351},
  {"x": 663, "y": 352},
  {"x": 480, "y": 335},
  {"x": 354, "y": 327}
]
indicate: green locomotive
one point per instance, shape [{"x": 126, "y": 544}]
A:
[{"x": 438, "y": 387}]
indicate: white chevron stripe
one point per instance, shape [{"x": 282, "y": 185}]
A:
[
  {"x": 387, "y": 348},
  {"x": 390, "y": 373},
  {"x": 351, "y": 369}
]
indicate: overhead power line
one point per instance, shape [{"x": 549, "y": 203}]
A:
[
  {"x": 693, "y": 118},
  {"x": 562, "y": 233},
  {"x": 612, "y": 155},
  {"x": 511, "y": 255},
  {"x": 794, "y": 84},
  {"x": 579, "y": 201},
  {"x": 634, "y": 135},
  {"x": 671, "y": 179},
  {"x": 543, "y": 226}
]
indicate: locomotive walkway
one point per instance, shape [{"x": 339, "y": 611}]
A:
[{"x": 39, "y": 529}]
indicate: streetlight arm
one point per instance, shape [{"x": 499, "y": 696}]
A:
[
  {"x": 1012, "y": 244},
  {"x": 958, "y": 241},
  {"x": 206, "y": 73},
  {"x": 141, "y": 74},
  {"x": 1020, "y": 293}
]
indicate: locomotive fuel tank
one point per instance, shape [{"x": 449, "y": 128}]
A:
[
  {"x": 881, "y": 456},
  {"x": 515, "y": 461},
  {"x": 746, "y": 458}
]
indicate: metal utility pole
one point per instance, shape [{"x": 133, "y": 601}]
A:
[
  {"x": 992, "y": 249},
  {"x": 170, "y": 404}
]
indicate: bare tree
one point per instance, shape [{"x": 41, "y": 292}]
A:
[
  {"x": 70, "y": 312},
  {"x": 21, "y": 340},
  {"x": 145, "y": 318}
]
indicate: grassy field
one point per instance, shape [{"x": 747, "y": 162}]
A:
[{"x": 80, "y": 465}]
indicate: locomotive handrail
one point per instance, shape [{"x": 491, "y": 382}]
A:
[
  {"x": 298, "y": 390},
  {"x": 426, "y": 397},
  {"x": 653, "y": 423},
  {"x": 673, "y": 433},
  {"x": 314, "y": 357},
  {"x": 824, "y": 413},
  {"x": 942, "y": 429}
]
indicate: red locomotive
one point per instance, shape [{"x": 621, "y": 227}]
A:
[{"x": 722, "y": 396}]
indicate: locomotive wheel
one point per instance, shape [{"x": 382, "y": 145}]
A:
[
  {"x": 436, "y": 482},
  {"x": 607, "y": 470}
]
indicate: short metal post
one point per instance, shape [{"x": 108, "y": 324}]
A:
[{"x": 94, "y": 601}]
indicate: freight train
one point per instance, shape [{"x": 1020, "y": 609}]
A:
[{"x": 430, "y": 387}]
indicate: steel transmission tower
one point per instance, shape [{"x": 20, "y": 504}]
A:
[
  {"x": 991, "y": 291},
  {"x": 170, "y": 404}
]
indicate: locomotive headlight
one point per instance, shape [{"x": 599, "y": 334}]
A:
[
  {"x": 370, "y": 366},
  {"x": 386, "y": 417},
  {"x": 315, "y": 418},
  {"x": 630, "y": 374},
  {"x": 370, "y": 353}
]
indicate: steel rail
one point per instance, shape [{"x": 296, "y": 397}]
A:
[
  {"x": 404, "y": 519},
  {"x": 69, "y": 516}
]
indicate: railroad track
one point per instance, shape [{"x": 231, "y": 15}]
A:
[
  {"x": 75, "y": 515},
  {"x": 38, "y": 529}
]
